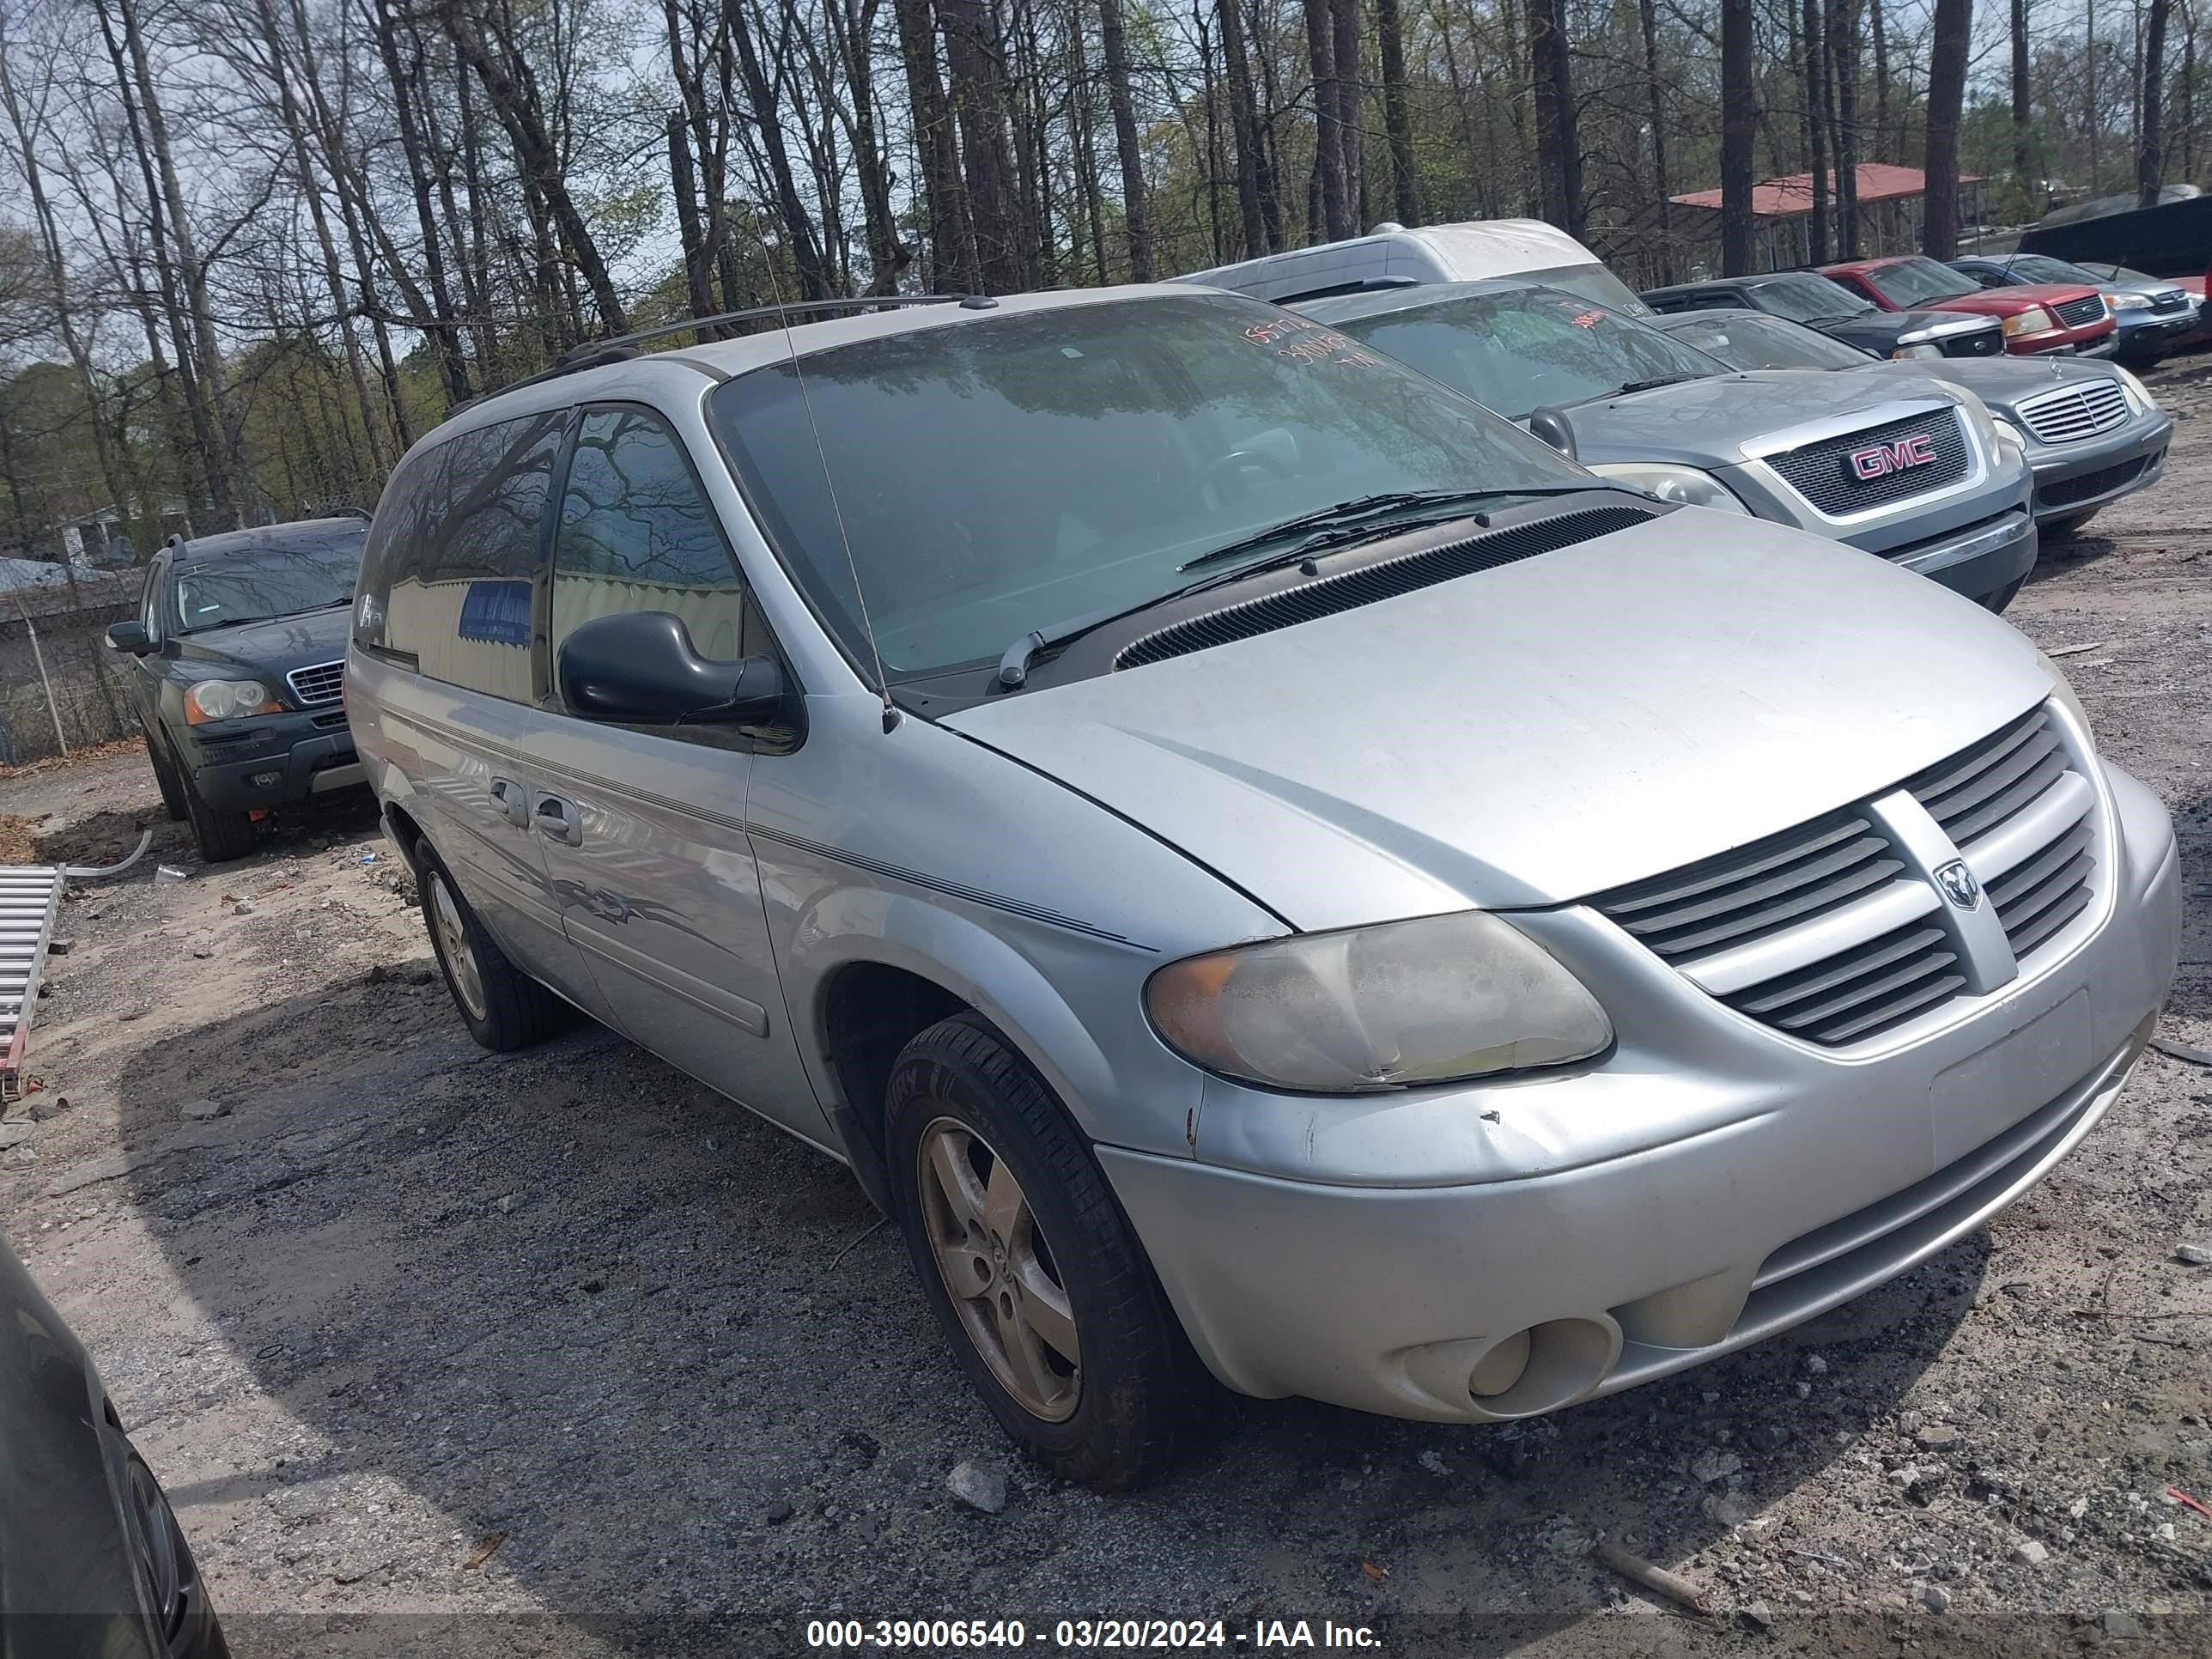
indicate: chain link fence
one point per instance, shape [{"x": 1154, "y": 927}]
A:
[{"x": 55, "y": 667}]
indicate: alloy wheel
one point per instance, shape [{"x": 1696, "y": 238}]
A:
[
  {"x": 998, "y": 1269},
  {"x": 454, "y": 944}
]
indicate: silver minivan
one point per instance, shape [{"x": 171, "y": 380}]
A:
[{"x": 1261, "y": 866}]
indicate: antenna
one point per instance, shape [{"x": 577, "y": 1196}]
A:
[{"x": 782, "y": 313}]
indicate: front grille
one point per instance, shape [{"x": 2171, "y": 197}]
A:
[
  {"x": 1828, "y": 933},
  {"x": 2074, "y": 412},
  {"x": 2087, "y": 486},
  {"x": 2089, "y": 308},
  {"x": 1981, "y": 342},
  {"x": 321, "y": 683},
  {"x": 2170, "y": 301},
  {"x": 1827, "y": 476}
]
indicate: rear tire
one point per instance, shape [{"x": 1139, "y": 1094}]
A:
[
  {"x": 222, "y": 835},
  {"x": 165, "y": 777},
  {"x": 502, "y": 1006},
  {"x": 997, "y": 1194}
]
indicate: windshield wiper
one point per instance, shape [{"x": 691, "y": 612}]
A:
[
  {"x": 1347, "y": 514},
  {"x": 1347, "y": 521},
  {"x": 1655, "y": 382}
]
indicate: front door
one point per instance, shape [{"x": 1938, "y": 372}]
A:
[{"x": 642, "y": 828}]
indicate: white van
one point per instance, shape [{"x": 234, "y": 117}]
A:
[{"x": 1391, "y": 255}]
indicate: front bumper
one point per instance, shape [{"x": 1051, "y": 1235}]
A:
[
  {"x": 238, "y": 765},
  {"x": 1707, "y": 1184},
  {"x": 1980, "y": 561},
  {"x": 2074, "y": 478},
  {"x": 2144, "y": 332}
]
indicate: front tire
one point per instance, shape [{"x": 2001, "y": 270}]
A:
[
  {"x": 222, "y": 836},
  {"x": 1052, "y": 1309},
  {"x": 2060, "y": 529},
  {"x": 165, "y": 779},
  {"x": 502, "y": 1006}
]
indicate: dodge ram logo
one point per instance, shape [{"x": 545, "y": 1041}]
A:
[
  {"x": 1882, "y": 458},
  {"x": 1959, "y": 885}
]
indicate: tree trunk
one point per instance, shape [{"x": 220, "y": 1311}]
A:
[
  {"x": 1329, "y": 122},
  {"x": 446, "y": 338},
  {"x": 1397, "y": 120},
  {"x": 2150, "y": 156},
  {"x": 1815, "y": 49},
  {"x": 979, "y": 108},
  {"x": 1739, "y": 120},
  {"x": 1879, "y": 32},
  {"x": 1135, "y": 224},
  {"x": 1558, "y": 143},
  {"x": 1647, "y": 19},
  {"x": 507, "y": 81},
  {"x": 1843, "y": 66},
  {"x": 1946, "y": 89},
  {"x": 814, "y": 281},
  {"x": 1244, "y": 127},
  {"x": 954, "y": 267},
  {"x": 1350, "y": 110},
  {"x": 2032, "y": 196}
]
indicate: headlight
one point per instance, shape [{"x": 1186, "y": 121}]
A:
[
  {"x": 2007, "y": 433},
  {"x": 2138, "y": 394},
  {"x": 1917, "y": 350},
  {"x": 2063, "y": 690},
  {"x": 226, "y": 699},
  {"x": 1686, "y": 484},
  {"x": 2034, "y": 320},
  {"x": 2128, "y": 301},
  {"x": 1391, "y": 1006}
]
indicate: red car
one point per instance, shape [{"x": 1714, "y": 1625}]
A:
[{"x": 2068, "y": 317}]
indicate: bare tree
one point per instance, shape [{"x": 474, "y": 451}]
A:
[
  {"x": 1739, "y": 122},
  {"x": 1946, "y": 89}
]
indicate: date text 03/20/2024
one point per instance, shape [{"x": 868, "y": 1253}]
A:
[{"x": 1262, "y": 1636}]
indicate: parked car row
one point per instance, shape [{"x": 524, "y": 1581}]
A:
[{"x": 1295, "y": 843}]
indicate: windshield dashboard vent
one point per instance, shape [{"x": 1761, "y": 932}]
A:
[{"x": 1386, "y": 580}]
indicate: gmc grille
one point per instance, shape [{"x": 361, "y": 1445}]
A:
[
  {"x": 1825, "y": 475},
  {"x": 1828, "y": 933}
]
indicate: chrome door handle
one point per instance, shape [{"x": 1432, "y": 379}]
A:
[
  {"x": 558, "y": 818},
  {"x": 514, "y": 801}
]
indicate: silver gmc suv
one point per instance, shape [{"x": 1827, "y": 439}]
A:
[
  {"x": 1263, "y": 868},
  {"x": 1899, "y": 463}
]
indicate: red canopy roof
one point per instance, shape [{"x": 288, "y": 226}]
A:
[{"x": 1788, "y": 198}]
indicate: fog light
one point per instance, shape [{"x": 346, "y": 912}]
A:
[
  {"x": 267, "y": 780},
  {"x": 1501, "y": 1368}
]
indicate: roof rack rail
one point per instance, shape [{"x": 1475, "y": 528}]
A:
[{"x": 620, "y": 348}]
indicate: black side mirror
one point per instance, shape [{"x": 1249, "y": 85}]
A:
[
  {"x": 130, "y": 636},
  {"x": 639, "y": 666}
]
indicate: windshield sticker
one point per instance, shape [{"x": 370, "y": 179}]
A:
[
  {"x": 1590, "y": 320},
  {"x": 1314, "y": 344}
]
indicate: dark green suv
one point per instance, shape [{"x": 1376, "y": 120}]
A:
[{"x": 240, "y": 642}]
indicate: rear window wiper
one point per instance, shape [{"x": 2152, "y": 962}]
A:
[{"x": 1014, "y": 665}]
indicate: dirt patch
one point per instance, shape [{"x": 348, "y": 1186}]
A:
[
  {"x": 18, "y": 840},
  {"x": 95, "y": 754}
]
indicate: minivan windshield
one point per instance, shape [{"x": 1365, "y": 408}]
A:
[
  {"x": 2042, "y": 268},
  {"x": 1809, "y": 299},
  {"x": 1919, "y": 281},
  {"x": 1010, "y": 472},
  {"x": 1519, "y": 350},
  {"x": 263, "y": 586},
  {"x": 1751, "y": 339}
]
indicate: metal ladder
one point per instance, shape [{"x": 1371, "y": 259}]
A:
[{"x": 30, "y": 904}]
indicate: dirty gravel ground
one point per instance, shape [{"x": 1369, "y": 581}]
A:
[{"x": 403, "y": 1301}]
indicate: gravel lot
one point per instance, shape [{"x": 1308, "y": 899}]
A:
[{"x": 559, "y": 1353}]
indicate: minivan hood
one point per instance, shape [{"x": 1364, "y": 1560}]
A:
[
  {"x": 1537, "y": 732},
  {"x": 1707, "y": 422}
]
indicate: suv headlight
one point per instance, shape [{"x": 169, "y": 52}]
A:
[
  {"x": 2138, "y": 394},
  {"x": 2128, "y": 301},
  {"x": 2008, "y": 435},
  {"x": 226, "y": 700},
  {"x": 2033, "y": 320},
  {"x": 1917, "y": 345},
  {"x": 1369, "y": 1009},
  {"x": 1686, "y": 484}
]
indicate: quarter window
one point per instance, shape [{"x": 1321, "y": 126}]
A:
[
  {"x": 453, "y": 556},
  {"x": 637, "y": 533}
]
